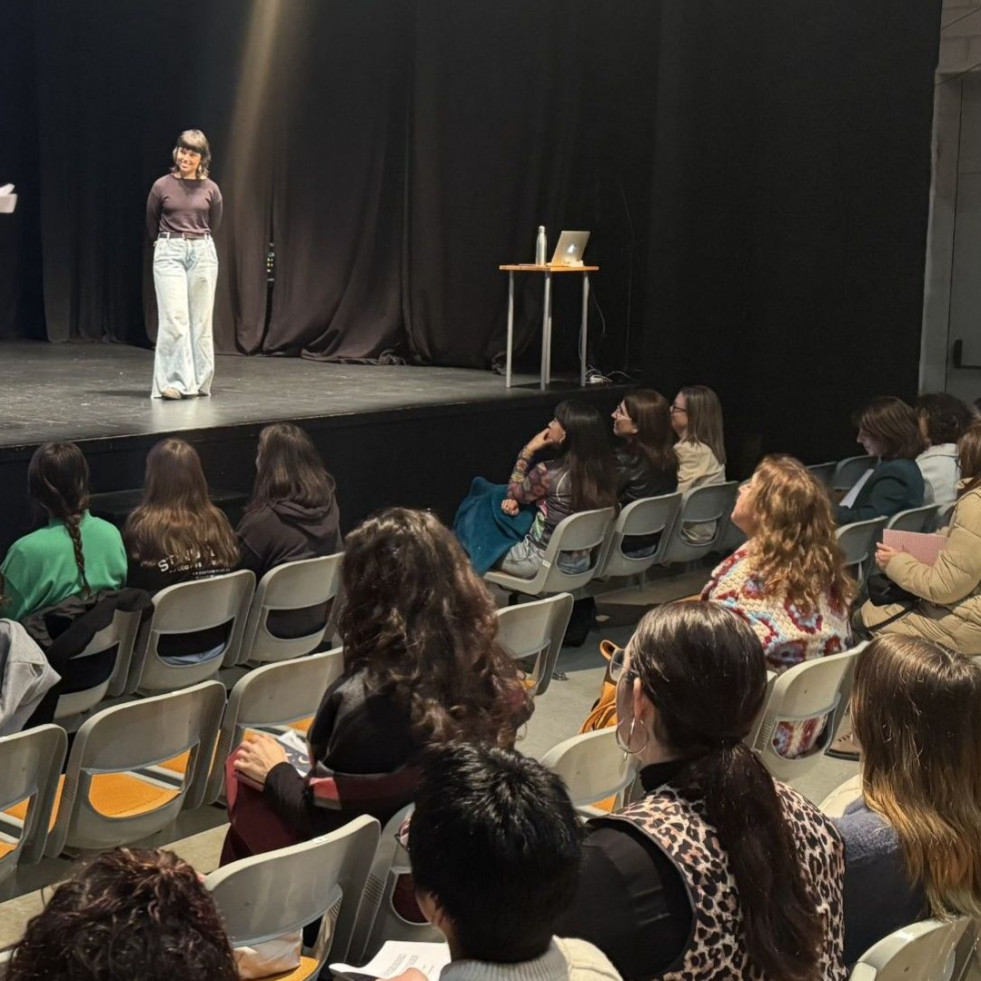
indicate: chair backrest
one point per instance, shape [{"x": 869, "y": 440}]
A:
[
  {"x": 857, "y": 541},
  {"x": 923, "y": 951},
  {"x": 584, "y": 531},
  {"x": 291, "y": 586},
  {"x": 809, "y": 690},
  {"x": 913, "y": 519},
  {"x": 104, "y": 801},
  {"x": 707, "y": 505},
  {"x": 641, "y": 519},
  {"x": 824, "y": 471},
  {"x": 30, "y": 763},
  {"x": 536, "y": 630},
  {"x": 265, "y": 896},
  {"x": 378, "y": 919},
  {"x": 847, "y": 471},
  {"x": 269, "y": 697},
  {"x": 592, "y": 766},
  {"x": 189, "y": 607},
  {"x": 119, "y": 634},
  {"x": 942, "y": 518}
]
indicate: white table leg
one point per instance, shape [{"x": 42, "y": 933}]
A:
[
  {"x": 507, "y": 370},
  {"x": 546, "y": 371},
  {"x": 583, "y": 330}
]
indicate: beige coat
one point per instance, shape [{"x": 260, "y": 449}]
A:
[{"x": 951, "y": 587}]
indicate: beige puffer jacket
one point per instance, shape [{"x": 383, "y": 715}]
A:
[{"x": 952, "y": 585}]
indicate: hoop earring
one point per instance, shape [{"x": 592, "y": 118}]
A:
[{"x": 624, "y": 744}]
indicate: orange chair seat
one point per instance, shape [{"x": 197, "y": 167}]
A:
[
  {"x": 6, "y": 847},
  {"x": 302, "y": 725},
  {"x": 307, "y": 969}
]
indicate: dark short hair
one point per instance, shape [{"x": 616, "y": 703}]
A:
[
  {"x": 893, "y": 424},
  {"x": 946, "y": 417},
  {"x": 494, "y": 839},
  {"x": 127, "y": 914}
]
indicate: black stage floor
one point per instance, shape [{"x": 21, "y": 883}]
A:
[{"x": 390, "y": 434}]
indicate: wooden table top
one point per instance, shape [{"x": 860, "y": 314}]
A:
[{"x": 558, "y": 268}]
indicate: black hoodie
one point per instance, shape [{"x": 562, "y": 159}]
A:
[{"x": 283, "y": 531}]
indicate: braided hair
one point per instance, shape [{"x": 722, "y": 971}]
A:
[{"x": 58, "y": 480}]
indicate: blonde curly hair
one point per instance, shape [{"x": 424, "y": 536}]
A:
[{"x": 794, "y": 549}]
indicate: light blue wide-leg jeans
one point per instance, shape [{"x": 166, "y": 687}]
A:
[{"x": 185, "y": 273}]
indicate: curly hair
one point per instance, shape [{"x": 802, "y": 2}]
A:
[
  {"x": 794, "y": 549},
  {"x": 421, "y": 626},
  {"x": 128, "y": 914}
]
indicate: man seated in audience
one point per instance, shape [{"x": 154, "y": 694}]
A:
[{"x": 494, "y": 847}]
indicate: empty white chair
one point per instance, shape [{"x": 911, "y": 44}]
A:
[
  {"x": 189, "y": 607},
  {"x": 644, "y": 518},
  {"x": 924, "y": 951},
  {"x": 849, "y": 470},
  {"x": 536, "y": 630},
  {"x": 30, "y": 763},
  {"x": 271, "y": 697},
  {"x": 857, "y": 541},
  {"x": 913, "y": 519},
  {"x": 585, "y": 531},
  {"x": 809, "y": 690},
  {"x": 702, "y": 506},
  {"x": 824, "y": 472},
  {"x": 378, "y": 919},
  {"x": 105, "y": 800},
  {"x": 592, "y": 766},
  {"x": 266, "y": 896},
  {"x": 291, "y": 586}
]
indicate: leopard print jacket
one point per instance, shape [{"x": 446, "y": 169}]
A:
[{"x": 715, "y": 950}]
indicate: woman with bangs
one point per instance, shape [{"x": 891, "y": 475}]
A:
[
  {"x": 913, "y": 840},
  {"x": 788, "y": 581}
]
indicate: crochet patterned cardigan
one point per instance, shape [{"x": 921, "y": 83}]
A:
[{"x": 789, "y": 634}]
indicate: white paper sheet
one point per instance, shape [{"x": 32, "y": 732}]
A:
[
  {"x": 397, "y": 956},
  {"x": 849, "y": 499}
]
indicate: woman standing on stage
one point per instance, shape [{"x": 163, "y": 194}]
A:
[{"x": 182, "y": 212}]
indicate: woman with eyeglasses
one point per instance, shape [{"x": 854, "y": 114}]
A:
[
  {"x": 183, "y": 211},
  {"x": 718, "y": 871},
  {"x": 889, "y": 430},
  {"x": 646, "y": 461},
  {"x": 696, "y": 417}
]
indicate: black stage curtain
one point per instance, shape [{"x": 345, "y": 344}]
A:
[{"x": 790, "y": 203}]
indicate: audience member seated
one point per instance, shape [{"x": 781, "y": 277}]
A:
[
  {"x": 889, "y": 430},
  {"x": 494, "y": 847},
  {"x": 75, "y": 554},
  {"x": 126, "y": 915},
  {"x": 646, "y": 461},
  {"x": 948, "y": 609},
  {"x": 718, "y": 872},
  {"x": 943, "y": 419},
  {"x": 293, "y": 513},
  {"x": 789, "y": 580},
  {"x": 913, "y": 840},
  {"x": 421, "y": 667},
  {"x": 581, "y": 477},
  {"x": 696, "y": 417},
  {"x": 175, "y": 533}
]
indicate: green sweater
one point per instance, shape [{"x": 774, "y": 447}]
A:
[{"x": 40, "y": 568}]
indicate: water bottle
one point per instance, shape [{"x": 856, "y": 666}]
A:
[{"x": 541, "y": 247}]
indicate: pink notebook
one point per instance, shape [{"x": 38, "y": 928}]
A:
[{"x": 923, "y": 548}]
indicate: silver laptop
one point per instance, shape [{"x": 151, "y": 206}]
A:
[{"x": 569, "y": 249}]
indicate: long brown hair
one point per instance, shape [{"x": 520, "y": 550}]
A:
[
  {"x": 176, "y": 518},
  {"x": 588, "y": 454},
  {"x": 916, "y": 709},
  {"x": 705, "y": 419},
  {"x": 126, "y": 914},
  {"x": 795, "y": 549},
  {"x": 650, "y": 412},
  {"x": 420, "y": 624},
  {"x": 288, "y": 468},
  {"x": 58, "y": 480},
  {"x": 969, "y": 457},
  {"x": 703, "y": 669}
]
